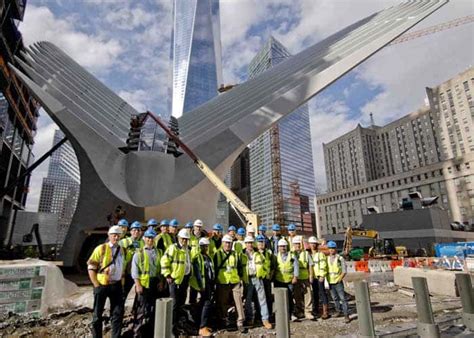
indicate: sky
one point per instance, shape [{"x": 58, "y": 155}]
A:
[{"x": 126, "y": 44}]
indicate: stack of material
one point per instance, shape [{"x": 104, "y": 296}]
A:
[{"x": 32, "y": 286}]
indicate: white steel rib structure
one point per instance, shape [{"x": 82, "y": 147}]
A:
[{"x": 148, "y": 183}]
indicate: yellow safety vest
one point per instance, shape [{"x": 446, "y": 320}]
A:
[
  {"x": 320, "y": 264},
  {"x": 193, "y": 281},
  {"x": 166, "y": 238},
  {"x": 303, "y": 262},
  {"x": 212, "y": 247},
  {"x": 144, "y": 266},
  {"x": 237, "y": 246},
  {"x": 173, "y": 263},
  {"x": 228, "y": 273},
  {"x": 334, "y": 270},
  {"x": 127, "y": 245},
  {"x": 101, "y": 257},
  {"x": 194, "y": 245},
  {"x": 284, "y": 272}
]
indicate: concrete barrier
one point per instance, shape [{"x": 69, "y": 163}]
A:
[
  {"x": 375, "y": 266},
  {"x": 386, "y": 266},
  {"x": 350, "y": 266},
  {"x": 440, "y": 282}
]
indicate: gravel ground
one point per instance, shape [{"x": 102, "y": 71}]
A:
[{"x": 390, "y": 308}]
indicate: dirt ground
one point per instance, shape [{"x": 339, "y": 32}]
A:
[{"x": 390, "y": 307}]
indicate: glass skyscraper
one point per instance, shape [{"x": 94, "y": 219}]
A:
[
  {"x": 282, "y": 185},
  {"x": 195, "y": 54},
  {"x": 60, "y": 189}
]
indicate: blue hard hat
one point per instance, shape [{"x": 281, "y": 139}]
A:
[
  {"x": 217, "y": 227},
  {"x": 291, "y": 227},
  {"x": 232, "y": 228},
  {"x": 332, "y": 245},
  {"x": 123, "y": 222},
  {"x": 276, "y": 227},
  {"x": 150, "y": 233},
  {"x": 152, "y": 222},
  {"x": 164, "y": 222},
  {"x": 136, "y": 225},
  {"x": 262, "y": 228},
  {"x": 241, "y": 232},
  {"x": 189, "y": 225},
  {"x": 260, "y": 238},
  {"x": 174, "y": 223}
]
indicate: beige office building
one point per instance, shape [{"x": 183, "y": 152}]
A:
[{"x": 430, "y": 150}]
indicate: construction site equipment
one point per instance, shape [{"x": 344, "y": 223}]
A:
[
  {"x": 247, "y": 216},
  {"x": 381, "y": 247},
  {"x": 28, "y": 238}
]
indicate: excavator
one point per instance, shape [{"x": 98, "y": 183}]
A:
[{"x": 381, "y": 248}]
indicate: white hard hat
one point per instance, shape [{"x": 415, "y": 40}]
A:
[
  {"x": 204, "y": 241},
  {"x": 227, "y": 238},
  {"x": 282, "y": 242},
  {"x": 115, "y": 229},
  {"x": 296, "y": 240},
  {"x": 183, "y": 233},
  {"x": 313, "y": 240},
  {"x": 249, "y": 239},
  {"x": 250, "y": 229},
  {"x": 198, "y": 223}
]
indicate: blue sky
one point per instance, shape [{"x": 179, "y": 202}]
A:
[{"x": 126, "y": 45}]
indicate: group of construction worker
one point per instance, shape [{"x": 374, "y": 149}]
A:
[{"x": 213, "y": 270}]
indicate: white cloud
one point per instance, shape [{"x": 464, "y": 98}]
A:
[
  {"x": 137, "y": 99},
  {"x": 129, "y": 18},
  {"x": 91, "y": 51}
]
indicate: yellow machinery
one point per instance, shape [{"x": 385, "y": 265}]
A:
[{"x": 381, "y": 248}]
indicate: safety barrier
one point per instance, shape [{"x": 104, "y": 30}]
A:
[
  {"x": 374, "y": 266},
  {"x": 394, "y": 264},
  {"x": 351, "y": 266},
  {"x": 362, "y": 266},
  {"x": 386, "y": 266}
]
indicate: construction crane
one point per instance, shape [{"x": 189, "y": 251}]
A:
[{"x": 433, "y": 29}]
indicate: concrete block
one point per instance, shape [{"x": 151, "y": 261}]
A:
[
  {"x": 440, "y": 282},
  {"x": 350, "y": 266}
]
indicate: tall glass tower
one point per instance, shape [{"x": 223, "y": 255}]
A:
[
  {"x": 282, "y": 185},
  {"x": 195, "y": 54}
]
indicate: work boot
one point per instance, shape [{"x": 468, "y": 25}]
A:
[
  {"x": 325, "y": 314},
  {"x": 267, "y": 325},
  {"x": 204, "y": 331},
  {"x": 347, "y": 319},
  {"x": 242, "y": 329}
]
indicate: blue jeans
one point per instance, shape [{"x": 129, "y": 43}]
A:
[
  {"x": 337, "y": 293},
  {"x": 256, "y": 285},
  {"x": 319, "y": 294}
]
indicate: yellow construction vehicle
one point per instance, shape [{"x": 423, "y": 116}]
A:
[
  {"x": 247, "y": 216},
  {"x": 382, "y": 248}
]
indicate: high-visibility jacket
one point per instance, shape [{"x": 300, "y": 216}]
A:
[
  {"x": 214, "y": 245},
  {"x": 303, "y": 262},
  {"x": 165, "y": 238},
  {"x": 269, "y": 263},
  {"x": 285, "y": 269},
  {"x": 101, "y": 257},
  {"x": 335, "y": 270},
  {"x": 199, "y": 262},
  {"x": 238, "y": 246},
  {"x": 173, "y": 263},
  {"x": 194, "y": 244},
  {"x": 130, "y": 246},
  {"x": 144, "y": 266},
  {"x": 320, "y": 264},
  {"x": 228, "y": 271},
  {"x": 261, "y": 270}
]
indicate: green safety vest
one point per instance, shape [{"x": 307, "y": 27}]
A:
[
  {"x": 166, "y": 238},
  {"x": 238, "y": 246},
  {"x": 303, "y": 262},
  {"x": 173, "y": 263},
  {"x": 229, "y": 271},
  {"x": 284, "y": 271},
  {"x": 194, "y": 245},
  {"x": 144, "y": 266},
  {"x": 212, "y": 247},
  {"x": 320, "y": 264},
  {"x": 129, "y": 248},
  {"x": 334, "y": 270}
]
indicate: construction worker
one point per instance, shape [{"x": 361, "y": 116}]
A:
[
  {"x": 146, "y": 273},
  {"x": 291, "y": 234},
  {"x": 287, "y": 272},
  {"x": 336, "y": 273},
  {"x": 216, "y": 239},
  {"x": 153, "y": 223},
  {"x": 164, "y": 239},
  {"x": 229, "y": 274},
  {"x": 256, "y": 270},
  {"x": 276, "y": 236},
  {"x": 231, "y": 231},
  {"x": 123, "y": 224},
  {"x": 269, "y": 263},
  {"x": 203, "y": 280},
  {"x": 302, "y": 291},
  {"x": 176, "y": 267},
  {"x": 106, "y": 268},
  {"x": 173, "y": 229},
  {"x": 262, "y": 230},
  {"x": 189, "y": 227},
  {"x": 320, "y": 269},
  {"x": 250, "y": 231},
  {"x": 131, "y": 245},
  {"x": 238, "y": 244},
  {"x": 196, "y": 235}
]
